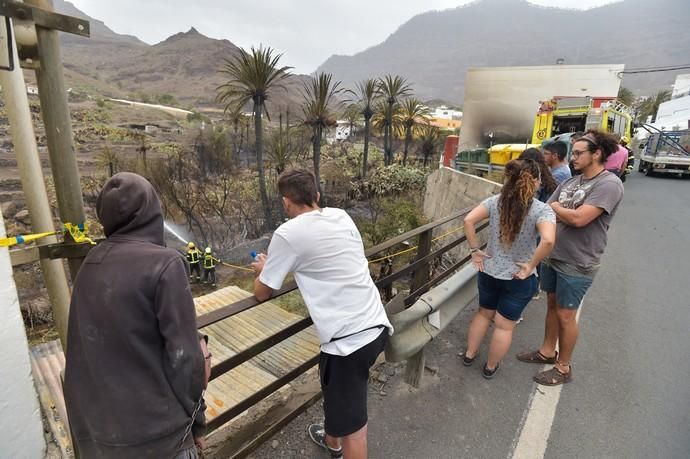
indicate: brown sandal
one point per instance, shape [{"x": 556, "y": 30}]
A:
[
  {"x": 536, "y": 357},
  {"x": 554, "y": 377}
]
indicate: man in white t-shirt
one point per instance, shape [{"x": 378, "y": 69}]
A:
[{"x": 324, "y": 250}]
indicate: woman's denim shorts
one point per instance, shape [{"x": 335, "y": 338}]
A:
[{"x": 508, "y": 297}]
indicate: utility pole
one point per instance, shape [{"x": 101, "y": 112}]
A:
[
  {"x": 58, "y": 126},
  {"x": 30, "y": 171}
]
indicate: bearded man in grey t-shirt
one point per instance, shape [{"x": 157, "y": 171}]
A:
[{"x": 585, "y": 206}]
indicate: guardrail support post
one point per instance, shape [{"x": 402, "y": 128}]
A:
[{"x": 414, "y": 369}]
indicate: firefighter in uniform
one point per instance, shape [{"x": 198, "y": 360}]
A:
[
  {"x": 210, "y": 267},
  {"x": 194, "y": 259},
  {"x": 631, "y": 155}
]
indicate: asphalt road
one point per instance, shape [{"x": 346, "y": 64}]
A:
[
  {"x": 632, "y": 393},
  {"x": 630, "y": 397}
]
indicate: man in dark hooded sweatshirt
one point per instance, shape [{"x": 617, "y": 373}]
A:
[{"x": 135, "y": 370}]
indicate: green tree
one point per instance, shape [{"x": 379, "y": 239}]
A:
[
  {"x": 279, "y": 152},
  {"x": 367, "y": 93},
  {"x": 352, "y": 115},
  {"x": 320, "y": 95},
  {"x": 393, "y": 88},
  {"x": 252, "y": 76},
  {"x": 108, "y": 160},
  {"x": 167, "y": 99},
  {"x": 385, "y": 117},
  {"x": 412, "y": 113},
  {"x": 144, "y": 146},
  {"x": 626, "y": 96},
  {"x": 430, "y": 137},
  {"x": 650, "y": 106},
  {"x": 240, "y": 124}
]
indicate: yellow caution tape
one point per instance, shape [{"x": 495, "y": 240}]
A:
[
  {"x": 402, "y": 252},
  {"x": 79, "y": 232},
  {"x": 23, "y": 239},
  {"x": 448, "y": 233}
]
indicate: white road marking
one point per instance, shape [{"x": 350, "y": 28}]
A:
[{"x": 535, "y": 428}]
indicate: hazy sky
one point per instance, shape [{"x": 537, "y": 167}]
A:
[{"x": 306, "y": 31}]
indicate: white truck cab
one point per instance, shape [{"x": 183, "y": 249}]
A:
[{"x": 666, "y": 152}]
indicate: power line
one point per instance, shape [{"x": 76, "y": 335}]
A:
[{"x": 657, "y": 69}]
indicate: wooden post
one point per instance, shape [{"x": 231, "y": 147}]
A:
[
  {"x": 58, "y": 127},
  {"x": 414, "y": 369},
  {"x": 31, "y": 174}
]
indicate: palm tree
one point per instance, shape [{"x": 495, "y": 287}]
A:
[
  {"x": 392, "y": 89},
  {"x": 144, "y": 146},
  {"x": 626, "y": 96},
  {"x": 352, "y": 115},
  {"x": 251, "y": 78},
  {"x": 235, "y": 117},
  {"x": 320, "y": 95},
  {"x": 412, "y": 112},
  {"x": 368, "y": 91},
  {"x": 279, "y": 152},
  {"x": 650, "y": 106},
  {"x": 108, "y": 160},
  {"x": 385, "y": 117},
  {"x": 430, "y": 137}
]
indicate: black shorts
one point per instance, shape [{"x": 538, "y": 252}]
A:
[{"x": 344, "y": 383}]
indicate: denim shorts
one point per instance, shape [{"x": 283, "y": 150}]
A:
[
  {"x": 569, "y": 289},
  {"x": 507, "y": 297}
]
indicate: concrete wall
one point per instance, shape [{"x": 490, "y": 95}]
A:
[
  {"x": 21, "y": 428},
  {"x": 447, "y": 191}
]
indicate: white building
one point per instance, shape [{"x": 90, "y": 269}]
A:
[
  {"x": 446, "y": 113},
  {"x": 675, "y": 114},
  {"x": 342, "y": 130},
  {"x": 682, "y": 86}
]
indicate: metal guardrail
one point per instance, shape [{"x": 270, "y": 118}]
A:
[
  {"x": 422, "y": 283},
  {"x": 415, "y": 327},
  {"x": 464, "y": 166}
]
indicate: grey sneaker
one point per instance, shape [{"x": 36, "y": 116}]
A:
[
  {"x": 488, "y": 374},
  {"x": 467, "y": 361},
  {"x": 318, "y": 436}
]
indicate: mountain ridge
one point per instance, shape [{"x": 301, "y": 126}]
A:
[
  {"x": 434, "y": 49},
  {"x": 185, "y": 65}
]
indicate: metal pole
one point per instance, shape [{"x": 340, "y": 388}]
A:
[
  {"x": 29, "y": 164},
  {"x": 58, "y": 126}
]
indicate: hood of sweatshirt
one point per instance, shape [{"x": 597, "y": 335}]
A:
[{"x": 128, "y": 207}]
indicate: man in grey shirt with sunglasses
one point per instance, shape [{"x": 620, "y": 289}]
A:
[{"x": 585, "y": 206}]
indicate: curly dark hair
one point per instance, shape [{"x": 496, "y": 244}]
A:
[
  {"x": 521, "y": 182},
  {"x": 547, "y": 181},
  {"x": 598, "y": 140}
]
